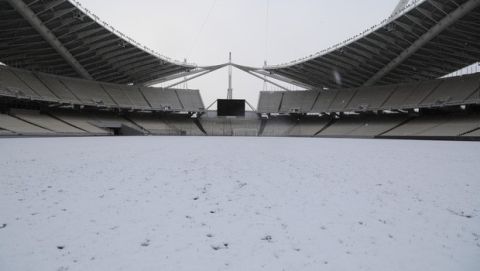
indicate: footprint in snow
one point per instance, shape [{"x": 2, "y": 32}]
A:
[
  {"x": 242, "y": 185},
  {"x": 267, "y": 238},
  {"x": 219, "y": 247}
]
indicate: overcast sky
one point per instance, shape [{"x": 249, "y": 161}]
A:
[{"x": 204, "y": 31}]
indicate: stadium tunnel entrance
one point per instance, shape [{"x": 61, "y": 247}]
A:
[{"x": 119, "y": 129}]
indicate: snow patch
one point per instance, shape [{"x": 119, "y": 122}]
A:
[{"x": 189, "y": 203}]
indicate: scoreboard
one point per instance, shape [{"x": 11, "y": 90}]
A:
[{"x": 230, "y": 108}]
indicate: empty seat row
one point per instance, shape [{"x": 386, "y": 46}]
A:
[
  {"x": 434, "y": 93},
  {"x": 44, "y": 87},
  {"x": 269, "y": 101},
  {"x": 278, "y": 126},
  {"x": 185, "y": 124},
  {"x": 309, "y": 127},
  {"x": 404, "y": 126},
  {"x": 154, "y": 125},
  {"x": 34, "y": 123},
  {"x": 46, "y": 122},
  {"x": 438, "y": 126},
  {"x": 298, "y": 101},
  {"x": 20, "y": 122},
  {"x": 286, "y": 102},
  {"x": 20, "y": 127},
  {"x": 355, "y": 126}
]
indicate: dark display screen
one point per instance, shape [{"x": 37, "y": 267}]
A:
[{"x": 227, "y": 108}]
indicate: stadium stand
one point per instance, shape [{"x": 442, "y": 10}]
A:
[
  {"x": 185, "y": 124},
  {"x": 119, "y": 95},
  {"x": 88, "y": 92},
  {"x": 341, "y": 128},
  {"x": 324, "y": 100},
  {"x": 153, "y": 124},
  {"x": 66, "y": 122},
  {"x": 249, "y": 125},
  {"x": 162, "y": 98},
  {"x": 115, "y": 123},
  {"x": 415, "y": 127},
  {"x": 80, "y": 120},
  {"x": 363, "y": 126},
  {"x": 298, "y": 101},
  {"x": 190, "y": 100},
  {"x": 420, "y": 93},
  {"x": 309, "y": 126},
  {"x": 72, "y": 78},
  {"x": 437, "y": 126},
  {"x": 217, "y": 126},
  {"x": 57, "y": 89},
  {"x": 6, "y": 133},
  {"x": 14, "y": 86},
  {"x": 370, "y": 98},
  {"x": 377, "y": 125},
  {"x": 269, "y": 101},
  {"x": 41, "y": 92},
  {"x": 136, "y": 97},
  {"x": 474, "y": 98},
  {"x": 474, "y": 134},
  {"x": 399, "y": 96},
  {"x": 47, "y": 122},
  {"x": 454, "y": 126},
  {"x": 20, "y": 127},
  {"x": 452, "y": 91},
  {"x": 278, "y": 126},
  {"x": 291, "y": 102},
  {"x": 342, "y": 99},
  {"x": 54, "y": 90}
]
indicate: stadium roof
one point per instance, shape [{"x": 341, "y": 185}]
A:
[
  {"x": 63, "y": 38},
  {"x": 425, "y": 40}
]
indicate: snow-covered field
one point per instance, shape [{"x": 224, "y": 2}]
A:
[{"x": 213, "y": 203}]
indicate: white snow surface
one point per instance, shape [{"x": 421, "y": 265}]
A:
[{"x": 214, "y": 203}]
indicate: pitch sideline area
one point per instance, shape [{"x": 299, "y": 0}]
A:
[{"x": 219, "y": 203}]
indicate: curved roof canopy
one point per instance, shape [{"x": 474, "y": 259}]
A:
[
  {"x": 61, "y": 37},
  {"x": 426, "y": 40}
]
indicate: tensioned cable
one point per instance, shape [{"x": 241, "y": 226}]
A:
[
  {"x": 197, "y": 36},
  {"x": 267, "y": 26}
]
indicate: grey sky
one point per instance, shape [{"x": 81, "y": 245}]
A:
[{"x": 296, "y": 28}]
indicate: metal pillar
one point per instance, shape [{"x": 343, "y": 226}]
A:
[
  {"x": 427, "y": 37},
  {"x": 40, "y": 27},
  {"x": 230, "y": 90}
]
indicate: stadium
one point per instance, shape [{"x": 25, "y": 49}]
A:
[{"x": 365, "y": 157}]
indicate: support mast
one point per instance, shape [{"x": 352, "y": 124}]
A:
[{"x": 230, "y": 90}]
